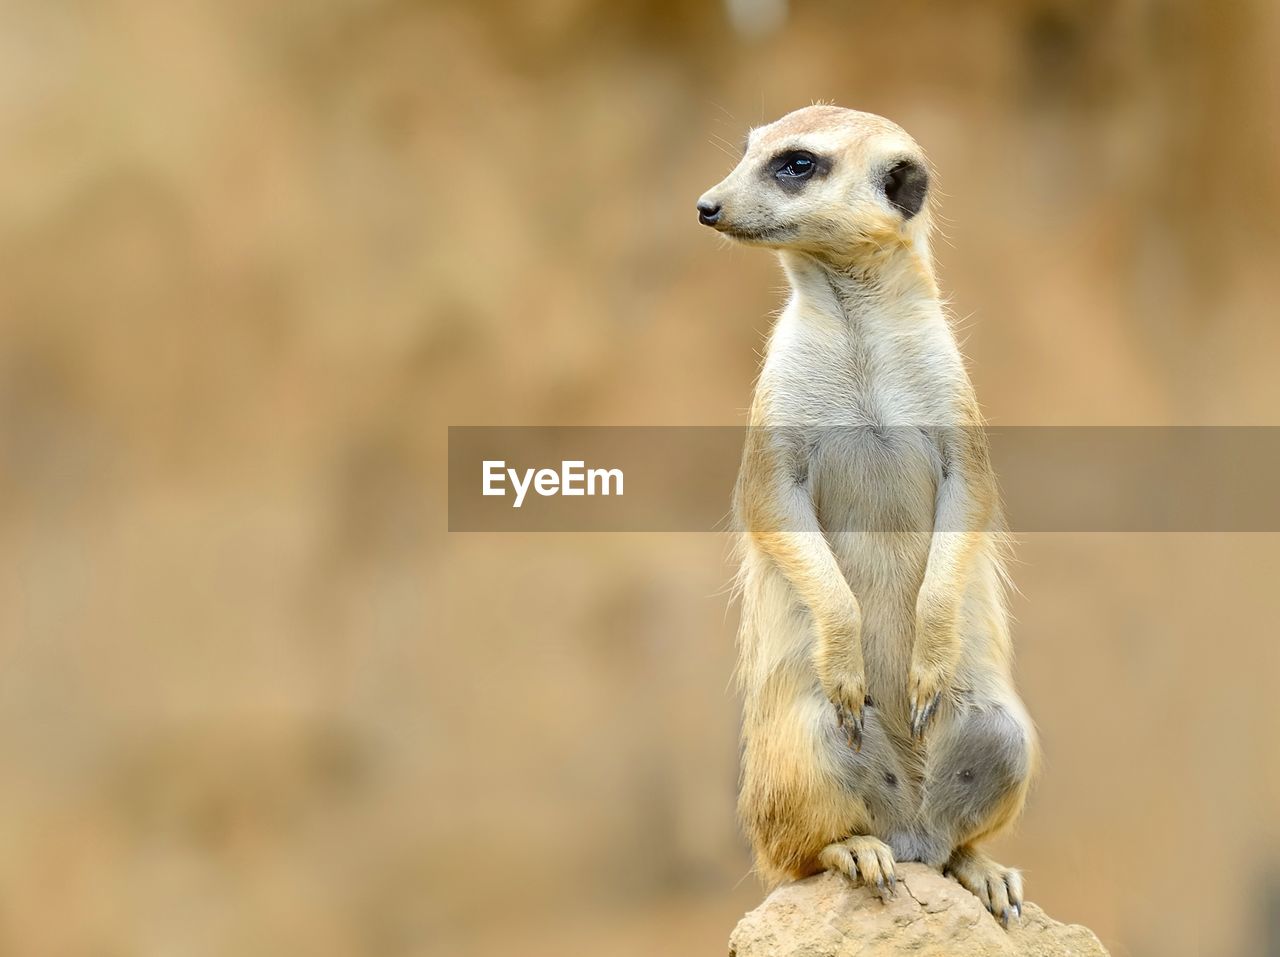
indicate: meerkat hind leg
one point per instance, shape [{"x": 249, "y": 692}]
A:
[
  {"x": 998, "y": 887},
  {"x": 865, "y": 857}
]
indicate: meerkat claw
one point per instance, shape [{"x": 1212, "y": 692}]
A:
[
  {"x": 851, "y": 723},
  {"x": 865, "y": 858},
  {"x": 921, "y": 715},
  {"x": 998, "y": 888},
  {"x": 929, "y": 711}
]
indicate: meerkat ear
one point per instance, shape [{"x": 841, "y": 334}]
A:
[{"x": 905, "y": 184}]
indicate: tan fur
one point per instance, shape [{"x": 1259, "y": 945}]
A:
[{"x": 872, "y": 559}]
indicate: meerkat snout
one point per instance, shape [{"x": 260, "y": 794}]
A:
[{"x": 708, "y": 212}]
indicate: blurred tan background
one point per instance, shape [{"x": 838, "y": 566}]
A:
[{"x": 254, "y": 258}]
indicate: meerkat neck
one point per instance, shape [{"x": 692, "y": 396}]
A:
[{"x": 901, "y": 282}]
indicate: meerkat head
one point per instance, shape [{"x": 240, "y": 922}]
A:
[{"x": 825, "y": 180}]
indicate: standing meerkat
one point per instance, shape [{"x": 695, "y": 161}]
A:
[{"x": 880, "y": 719}]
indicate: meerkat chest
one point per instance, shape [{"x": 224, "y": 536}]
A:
[
  {"x": 863, "y": 397},
  {"x": 826, "y": 371}
]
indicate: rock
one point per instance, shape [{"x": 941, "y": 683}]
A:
[{"x": 930, "y": 916}]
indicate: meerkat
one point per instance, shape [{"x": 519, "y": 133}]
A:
[{"x": 880, "y": 718}]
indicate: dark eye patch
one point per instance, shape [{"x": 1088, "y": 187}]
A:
[
  {"x": 798, "y": 165},
  {"x": 905, "y": 185},
  {"x": 791, "y": 169}
]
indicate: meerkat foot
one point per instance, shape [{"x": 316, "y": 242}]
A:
[
  {"x": 998, "y": 887},
  {"x": 865, "y": 857}
]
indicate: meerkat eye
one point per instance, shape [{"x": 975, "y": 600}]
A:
[
  {"x": 797, "y": 165},
  {"x": 905, "y": 184}
]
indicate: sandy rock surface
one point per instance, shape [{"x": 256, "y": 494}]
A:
[{"x": 831, "y": 916}]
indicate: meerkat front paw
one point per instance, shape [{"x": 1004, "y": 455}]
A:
[
  {"x": 934, "y": 655},
  {"x": 998, "y": 887},
  {"x": 925, "y": 685},
  {"x": 865, "y": 857},
  {"x": 848, "y": 695},
  {"x": 838, "y": 664}
]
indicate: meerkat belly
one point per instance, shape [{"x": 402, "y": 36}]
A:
[{"x": 874, "y": 491}]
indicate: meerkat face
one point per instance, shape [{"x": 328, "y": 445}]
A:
[{"x": 824, "y": 180}]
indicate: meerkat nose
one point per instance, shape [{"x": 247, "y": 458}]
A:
[{"x": 708, "y": 212}]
